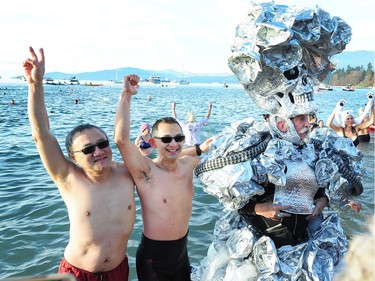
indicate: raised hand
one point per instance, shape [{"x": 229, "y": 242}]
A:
[
  {"x": 35, "y": 67},
  {"x": 131, "y": 85}
]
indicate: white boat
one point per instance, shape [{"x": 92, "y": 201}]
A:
[
  {"x": 72, "y": 81},
  {"x": 349, "y": 88},
  {"x": 50, "y": 81},
  {"x": 324, "y": 87},
  {"x": 155, "y": 79}
]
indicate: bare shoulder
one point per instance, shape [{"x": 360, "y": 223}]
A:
[
  {"x": 190, "y": 161},
  {"x": 137, "y": 139},
  {"x": 120, "y": 167}
]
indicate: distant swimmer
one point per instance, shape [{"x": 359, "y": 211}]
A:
[
  {"x": 342, "y": 120},
  {"x": 143, "y": 141},
  {"x": 12, "y": 102},
  {"x": 364, "y": 134},
  {"x": 192, "y": 129}
]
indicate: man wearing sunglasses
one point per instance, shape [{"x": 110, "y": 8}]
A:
[
  {"x": 98, "y": 193},
  {"x": 165, "y": 188}
]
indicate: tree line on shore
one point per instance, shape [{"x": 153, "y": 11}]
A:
[{"x": 356, "y": 76}]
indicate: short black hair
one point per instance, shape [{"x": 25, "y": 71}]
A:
[
  {"x": 77, "y": 129},
  {"x": 168, "y": 120}
]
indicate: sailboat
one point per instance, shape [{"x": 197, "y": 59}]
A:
[
  {"x": 183, "y": 81},
  {"x": 116, "y": 81}
]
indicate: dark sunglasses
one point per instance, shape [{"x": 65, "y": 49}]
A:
[
  {"x": 90, "y": 149},
  {"x": 178, "y": 138}
]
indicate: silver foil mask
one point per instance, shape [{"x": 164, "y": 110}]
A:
[{"x": 280, "y": 53}]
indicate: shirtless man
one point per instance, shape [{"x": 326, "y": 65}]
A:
[
  {"x": 165, "y": 188},
  {"x": 98, "y": 193}
]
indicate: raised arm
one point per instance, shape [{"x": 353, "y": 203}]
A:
[
  {"x": 368, "y": 123},
  {"x": 369, "y": 105},
  {"x": 209, "y": 110},
  {"x": 47, "y": 145},
  {"x": 174, "y": 115},
  {"x": 330, "y": 121},
  {"x": 133, "y": 159}
]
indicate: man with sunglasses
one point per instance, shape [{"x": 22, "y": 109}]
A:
[
  {"x": 98, "y": 193},
  {"x": 165, "y": 188}
]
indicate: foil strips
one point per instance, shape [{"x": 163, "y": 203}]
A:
[
  {"x": 236, "y": 246},
  {"x": 281, "y": 49},
  {"x": 279, "y": 53}
]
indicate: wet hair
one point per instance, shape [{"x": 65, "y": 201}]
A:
[
  {"x": 78, "y": 129},
  {"x": 168, "y": 120},
  {"x": 312, "y": 116}
]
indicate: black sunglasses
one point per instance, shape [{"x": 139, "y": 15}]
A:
[
  {"x": 90, "y": 149},
  {"x": 178, "y": 138}
]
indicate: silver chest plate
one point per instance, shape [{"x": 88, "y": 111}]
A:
[{"x": 299, "y": 190}]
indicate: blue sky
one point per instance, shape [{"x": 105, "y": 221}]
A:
[{"x": 193, "y": 35}]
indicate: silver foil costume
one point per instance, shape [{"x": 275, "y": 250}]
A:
[{"x": 279, "y": 54}]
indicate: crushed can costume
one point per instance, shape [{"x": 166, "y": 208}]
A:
[{"x": 279, "y": 54}]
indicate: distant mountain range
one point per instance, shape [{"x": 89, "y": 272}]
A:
[{"x": 354, "y": 59}]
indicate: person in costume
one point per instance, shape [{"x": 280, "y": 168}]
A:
[{"x": 276, "y": 182}]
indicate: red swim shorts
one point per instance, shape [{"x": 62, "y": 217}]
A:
[{"x": 120, "y": 273}]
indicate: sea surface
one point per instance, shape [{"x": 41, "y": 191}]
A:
[{"x": 33, "y": 218}]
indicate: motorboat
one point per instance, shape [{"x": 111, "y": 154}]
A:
[
  {"x": 324, "y": 87},
  {"x": 154, "y": 79},
  {"x": 72, "y": 81},
  {"x": 50, "y": 81},
  {"x": 349, "y": 88}
]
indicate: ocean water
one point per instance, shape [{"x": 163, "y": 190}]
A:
[{"x": 33, "y": 219}]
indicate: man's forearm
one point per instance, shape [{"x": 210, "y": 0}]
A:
[{"x": 37, "y": 110}]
